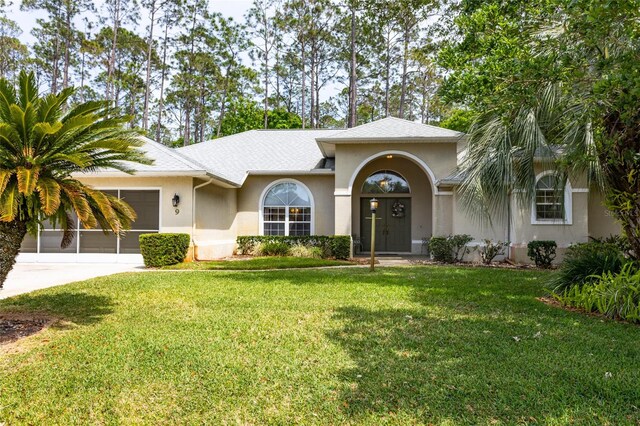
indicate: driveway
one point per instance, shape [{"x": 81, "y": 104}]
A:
[{"x": 26, "y": 277}]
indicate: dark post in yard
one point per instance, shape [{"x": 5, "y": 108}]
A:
[{"x": 374, "y": 208}]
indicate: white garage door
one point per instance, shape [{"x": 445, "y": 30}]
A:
[{"x": 93, "y": 245}]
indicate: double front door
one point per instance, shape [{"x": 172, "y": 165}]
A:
[{"x": 393, "y": 225}]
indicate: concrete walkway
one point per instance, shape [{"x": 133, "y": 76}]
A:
[{"x": 26, "y": 277}]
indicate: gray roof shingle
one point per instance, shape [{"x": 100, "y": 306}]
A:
[
  {"x": 232, "y": 157},
  {"x": 391, "y": 128}
]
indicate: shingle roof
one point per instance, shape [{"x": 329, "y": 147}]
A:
[
  {"x": 166, "y": 159},
  {"x": 232, "y": 157},
  {"x": 391, "y": 128}
]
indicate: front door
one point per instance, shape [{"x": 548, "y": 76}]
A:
[{"x": 393, "y": 225}]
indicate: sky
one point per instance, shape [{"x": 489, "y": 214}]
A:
[{"x": 27, "y": 20}]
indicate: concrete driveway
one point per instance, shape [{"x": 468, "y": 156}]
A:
[{"x": 26, "y": 277}]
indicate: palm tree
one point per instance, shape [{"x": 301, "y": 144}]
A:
[
  {"x": 584, "y": 119},
  {"x": 43, "y": 143},
  {"x": 561, "y": 130}
]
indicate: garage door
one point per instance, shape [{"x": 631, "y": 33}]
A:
[{"x": 92, "y": 245}]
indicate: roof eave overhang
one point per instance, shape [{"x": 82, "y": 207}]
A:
[
  {"x": 162, "y": 173},
  {"x": 312, "y": 172},
  {"x": 409, "y": 139}
]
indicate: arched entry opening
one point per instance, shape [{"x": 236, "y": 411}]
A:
[{"x": 405, "y": 212}]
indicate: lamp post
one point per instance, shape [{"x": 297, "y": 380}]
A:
[{"x": 374, "y": 207}]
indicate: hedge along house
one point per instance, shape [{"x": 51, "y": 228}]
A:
[{"x": 319, "y": 182}]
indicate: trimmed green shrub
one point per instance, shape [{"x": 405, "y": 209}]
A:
[
  {"x": 275, "y": 248},
  {"x": 613, "y": 295},
  {"x": 490, "y": 250},
  {"x": 163, "y": 249},
  {"x": 338, "y": 246},
  {"x": 440, "y": 250},
  {"x": 542, "y": 252},
  {"x": 341, "y": 246},
  {"x": 449, "y": 249},
  {"x": 583, "y": 262}
]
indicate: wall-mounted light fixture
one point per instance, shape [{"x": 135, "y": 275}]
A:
[{"x": 175, "y": 202}]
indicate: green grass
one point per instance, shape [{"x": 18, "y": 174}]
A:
[
  {"x": 260, "y": 263},
  {"x": 424, "y": 345}
]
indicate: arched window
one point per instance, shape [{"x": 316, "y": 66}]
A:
[
  {"x": 385, "y": 182},
  {"x": 552, "y": 201},
  {"x": 287, "y": 210}
]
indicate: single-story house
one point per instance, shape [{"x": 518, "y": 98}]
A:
[{"x": 318, "y": 182}]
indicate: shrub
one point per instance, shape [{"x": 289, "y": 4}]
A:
[
  {"x": 584, "y": 261},
  {"x": 275, "y": 248},
  {"x": 542, "y": 252},
  {"x": 440, "y": 250},
  {"x": 490, "y": 250},
  {"x": 620, "y": 241},
  {"x": 256, "y": 249},
  {"x": 449, "y": 249},
  {"x": 459, "y": 246},
  {"x": 338, "y": 246},
  {"x": 300, "y": 250},
  {"x": 613, "y": 295},
  {"x": 163, "y": 249},
  {"x": 341, "y": 246}
]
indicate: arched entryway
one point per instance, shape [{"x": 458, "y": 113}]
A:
[{"x": 405, "y": 213}]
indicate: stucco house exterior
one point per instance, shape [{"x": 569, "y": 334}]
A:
[{"x": 318, "y": 182}]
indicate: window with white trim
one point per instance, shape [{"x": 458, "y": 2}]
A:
[
  {"x": 549, "y": 202},
  {"x": 287, "y": 210}
]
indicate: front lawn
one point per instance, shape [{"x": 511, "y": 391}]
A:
[
  {"x": 424, "y": 345},
  {"x": 260, "y": 263}
]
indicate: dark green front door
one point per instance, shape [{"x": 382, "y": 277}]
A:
[{"x": 393, "y": 225}]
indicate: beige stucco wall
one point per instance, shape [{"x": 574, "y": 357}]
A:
[
  {"x": 215, "y": 220},
  {"x": 421, "y": 196},
  {"x": 601, "y": 222},
  {"x": 320, "y": 186},
  {"x": 439, "y": 157},
  {"x": 168, "y": 186}
]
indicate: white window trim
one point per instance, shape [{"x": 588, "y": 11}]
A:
[
  {"x": 568, "y": 205},
  {"x": 286, "y": 228}
]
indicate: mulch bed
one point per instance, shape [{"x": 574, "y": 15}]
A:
[{"x": 14, "y": 327}]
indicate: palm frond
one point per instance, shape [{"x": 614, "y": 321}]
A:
[
  {"x": 10, "y": 202},
  {"x": 28, "y": 92},
  {"x": 27, "y": 179},
  {"x": 49, "y": 193}
]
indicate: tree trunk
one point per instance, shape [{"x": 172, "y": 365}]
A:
[
  {"x": 223, "y": 103},
  {"x": 112, "y": 55},
  {"x": 67, "y": 48},
  {"x": 147, "y": 90},
  {"x": 162, "y": 78},
  {"x": 405, "y": 65},
  {"x": 11, "y": 236},
  {"x": 353, "y": 93}
]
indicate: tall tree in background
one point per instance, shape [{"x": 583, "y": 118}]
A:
[
  {"x": 153, "y": 7},
  {"x": 117, "y": 13},
  {"x": 13, "y": 54},
  {"x": 262, "y": 29}
]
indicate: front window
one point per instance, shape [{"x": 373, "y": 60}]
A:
[
  {"x": 385, "y": 182},
  {"x": 287, "y": 210},
  {"x": 549, "y": 199}
]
